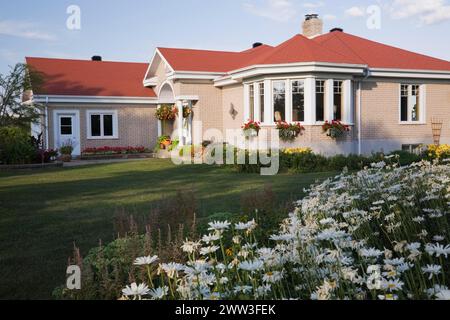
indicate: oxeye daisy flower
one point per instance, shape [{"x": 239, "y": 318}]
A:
[
  {"x": 432, "y": 270},
  {"x": 208, "y": 250},
  {"x": 219, "y": 225},
  {"x": 136, "y": 290},
  {"x": 145, "y": 261},
  {"x": 392, "y": 285},
  {"x": 159, "y": 293},
  {"x": 251, "y": 266}
]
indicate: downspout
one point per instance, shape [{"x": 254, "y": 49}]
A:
[
  {"x": 46, "y": 123},
  {"x": 366, "y": 76}
]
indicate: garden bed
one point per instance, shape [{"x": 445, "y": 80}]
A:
[
  {"x": 117, "y": 156},
  {"x": 31, "y": 166}
]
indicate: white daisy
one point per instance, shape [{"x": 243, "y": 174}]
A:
[
  {"x": 159, "y": 293},
  {"x": 208, "y": 250},
  {"x": 432, "y": 269},
  {"x": 251, "y": 266},
  {"x": 219, "y": 225},
  {"x": 145, "y": 261},
  {"x": 136, "y": 290}
]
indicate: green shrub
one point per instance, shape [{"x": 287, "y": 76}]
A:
[
  {"x": 15, "y": 146},
  {"x": 406, "y": 158}
]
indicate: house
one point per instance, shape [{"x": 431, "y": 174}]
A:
[{"x": 391, "y": 98}]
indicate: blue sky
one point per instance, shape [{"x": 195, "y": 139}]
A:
[{"x": 130, "y": 30}]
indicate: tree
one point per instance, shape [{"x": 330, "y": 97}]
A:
[{"x": 13, "y": 111}]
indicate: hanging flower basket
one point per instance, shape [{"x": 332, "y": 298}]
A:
[
  {"x": 166, "y": 112},
  {"x": 289, "y": 131},
  {"x": 186, "y": 112},
  {"x": 251, "y": 128},
  {"x": 335, "y": 129}
]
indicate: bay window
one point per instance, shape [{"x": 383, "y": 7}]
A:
[
  {"x": 279, "y": 100},
  {"x": 320, "y": 100},
  {"x": 262, "y": 109},
  {"x": 306, "y": 99},
  {"x": 102, "y": 125},
  {"x": 411, "y": 103},
  {"x": 252, "y": 102},
  {"x": 337, "y": 104},
  {"x": 298, "y": 101}
]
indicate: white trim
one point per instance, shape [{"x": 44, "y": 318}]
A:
[
  {"x": 188, "y": 97},
  {"x": 268, "y": 117},
  {"x": 157, "y": 52},
  {"x": 310, "y": 101},
  {"x": 93, "y": 99},
  {"x": 246, "y": 102},
  {"x": 76, "y": 128},
  {"x": 297, "y": 68},
  {"x": 153, "y": 82},
  {"x": 194, "y": 75},
  {"x": 102, "y": 112},
  {"x": 409, "y": 73}
]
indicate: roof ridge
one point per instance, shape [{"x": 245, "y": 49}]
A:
[
  {"x": 83, "y": 60},
  {"x": 202, "y": 50},
  {"x": 347, "y": 46}
]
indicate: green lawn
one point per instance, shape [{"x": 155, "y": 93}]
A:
[{"x": 42, "y": 213}]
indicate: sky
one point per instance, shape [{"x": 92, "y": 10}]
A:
[{"x": 121, "y": 30}]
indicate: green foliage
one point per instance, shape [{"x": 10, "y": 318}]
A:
[
  {"x": 15, "y": 146},
  {"x": 13, "y": 87}
]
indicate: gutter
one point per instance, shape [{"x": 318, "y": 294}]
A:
[{"x": 366, "y": 76}]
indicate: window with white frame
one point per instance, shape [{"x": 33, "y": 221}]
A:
[
  {"x": 338, "y": 100},
  {"x": 298, "y": 101},
  {"x": 411, "y": 103},
  {"x": 279, "y": 101},
  {"x": 320, "y": 100},
  {"x": 262, "y": 109},
  {"x": 252, "y": 102},
  {"x": 102, "y": 124}
]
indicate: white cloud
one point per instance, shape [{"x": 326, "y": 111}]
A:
[
  {"x": 314, "y": 5},
  {"x": 355, "y": 12},
  {"x": 278, "y": 10},
  {"x": 23, "y": 30},
  {"x": 427, "y": 11}
]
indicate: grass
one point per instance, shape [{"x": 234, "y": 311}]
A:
[{"x": 42, "y": 213}]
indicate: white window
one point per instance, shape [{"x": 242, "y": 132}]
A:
[
  {"x": 338, "y": 100},
  {"x": 252, "y": 102},
  {"x": 412, "y": 103},
  {"x": 102, "y": 124},
  {"x": 320, "y": 100},
  {"x": 298, "y": 101},
  {"x": 261, "y": 106},
  {"x": 279, "y": 101}
]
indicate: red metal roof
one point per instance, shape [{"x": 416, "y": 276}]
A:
[
  {"x": 378, "y": 55},
  {"x": 334, "y": 47},
  {"x": 210, "y": 61},
  {"x": 91, "y": 78}
]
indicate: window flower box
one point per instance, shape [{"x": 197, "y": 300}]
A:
[
  {"x": 251, "y": 128},
  {"x": 289, "y": 131},
  {"x": 335, "y": 129}
]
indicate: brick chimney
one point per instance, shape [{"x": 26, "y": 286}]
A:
[{"x": 312, "y": 26}]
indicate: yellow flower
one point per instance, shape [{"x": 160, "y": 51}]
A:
[{"x": 297, "y": 150}]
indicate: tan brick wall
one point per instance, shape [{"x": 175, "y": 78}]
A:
[
  {"x": 380, "y": 113},
  {"x": 137, "y": 125},
  {"x": 209, "y": 108}
]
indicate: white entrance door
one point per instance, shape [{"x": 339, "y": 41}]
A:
[{"x": 67, "y": 130}]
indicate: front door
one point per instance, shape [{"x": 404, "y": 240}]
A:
[{"x": 67, "y": 130}]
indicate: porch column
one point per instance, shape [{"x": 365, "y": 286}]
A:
[{"x": 180, "y": 119}]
